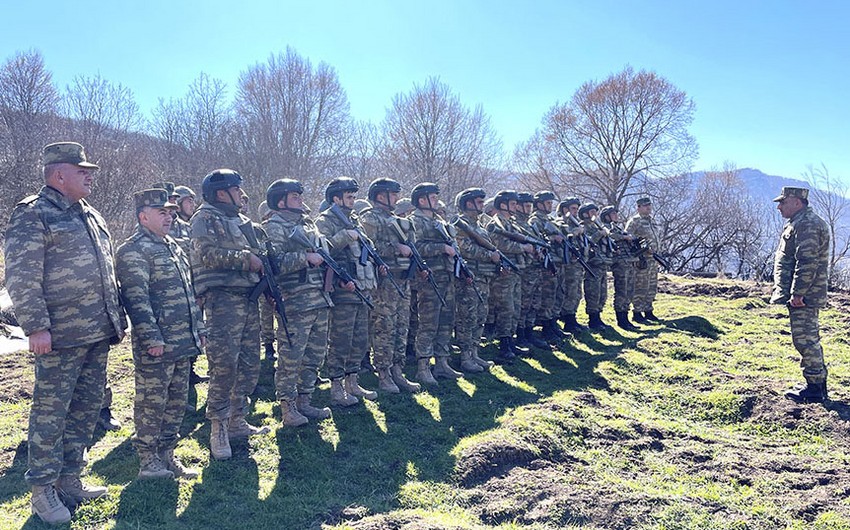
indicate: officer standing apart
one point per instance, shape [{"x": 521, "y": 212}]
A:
[
  {"x": 60, "y": 276},
  {"x": 225, "y": 269},
  {"x": 801, "y": 276},
  {"x": 646, "y": 278},
  {"x": 155, "y": 281},
  {"x": 623, "y": 266}
]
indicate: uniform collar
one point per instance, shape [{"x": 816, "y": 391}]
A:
[{"x": 55, "y": 196}]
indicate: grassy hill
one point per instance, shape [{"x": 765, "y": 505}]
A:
[{"x": 680, "y": 426}]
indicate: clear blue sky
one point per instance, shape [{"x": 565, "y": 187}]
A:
[{"x": 769, "y": 78}]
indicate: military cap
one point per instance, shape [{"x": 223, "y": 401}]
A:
[
  {"x": 643, "y": 201},
  {"x": 183, "y": 192},
  {"x": 154, "y": 198},
  {"x": 167, "y": 186},
  {"x": 423, "y": 189},
  {"x": 469, "y": 194},
  {"x": 586, "y": 209},
  {"x": 790, "y": 191},
  {"x": 66, "y": 153},
  {"x": 504, "y": 197},
  {"x": 605, "y": 212}
]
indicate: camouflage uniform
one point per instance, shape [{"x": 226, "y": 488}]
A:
[
  {"x": 470, "y": 319},
  {"x": 60, "y": 276},
  {"x": 646, "y": 276},
  {"x": 543, "y": 225},
  {"x": 156, "y": 288},
  {"x": 348, "y": 331},
  {"x": 181, "y": 232},
  {"x": 596, "y": 289},
  {"x": 506, "y": 291},
  {"x": 307, "y": 307},
  {"x": 801, "y": 268},
  {"x": 623, "y": 267},
  {"x": 220, "y": 265},
  {"x": 433, "y": 338},
  {"x": 531, "y": 278},
  {"x": 573, "y": 272},
  {"x": 391, "y": 316}
]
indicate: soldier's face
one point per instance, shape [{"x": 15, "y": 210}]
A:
[
  {"x": 526, "y": 207},
  {"x": 646, "y": 209},
  {"x": 479, "y": 204},
  {"x": 546, "y": 206},
  {"x": 789, "y": 206},
  {"x": 573, "y": 208},
  {"x": 348, "y": 199},
  {"x": 614, "y": 216},
  {"x": 74, "y": 181},
  {"x": 187, "y": 206},
  {"x": 294, "y": 201},
  {"x": 157, "y": 220}
]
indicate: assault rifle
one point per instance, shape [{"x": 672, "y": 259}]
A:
[
  {"x": 641, "y": 246},
  {"x": 299, "y": 236},
  {"x": 504, "y": 261},
  {"x": 519, "y": 238},
  {"x": 366, "y": 248},
  {"x": 461, "y": 268},
  {"x": 418, "y": 262},
  {"x": 576, "y": 252},
  {"x": 267, "y": 284}
]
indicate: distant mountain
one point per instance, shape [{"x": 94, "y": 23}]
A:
[{"x": 761, "y": 185}]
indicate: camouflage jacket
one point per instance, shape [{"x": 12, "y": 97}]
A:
[
  {"x": 801, "y": 266},
  {"x": 622, "y": 242},
  {"x": 601, "y": 247},
  {"x": 431, "y": 243},
  {"x": 153, "y": 275},
  {"x": 512, "y": 249},
  {"x": 547, "y": 229},
  {"x": 642, "y": 226},
  {"x": 59, "y": 271},
  {"x": 303, "y": 286},
  {"x": 220, "y": 251},
  {"x": 387, "y": 230},
  {"x": 346, "y": 252},
  {"x": 181, "y": 232},
  {"x": 476, "y": 256}
]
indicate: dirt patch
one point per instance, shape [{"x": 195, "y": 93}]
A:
[
  {"x": 16, "y": 376},
  {"x": 729, "y": 290}
]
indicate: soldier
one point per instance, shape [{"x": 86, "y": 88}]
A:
[
  {"x": 302, "y": 284},
  {"x": 225, "y": 268},
  {"x": 484, "y": 263},
  {"x": 436, "y": 321},
  {"x": 267, "y": 311},
  {"x": 531, "y": 278},
  {"x": 391, "y": 316},
  {"x": 60, "y": 276},
  {"x": 403, "y": 209},
  {"x": 506, "y": 292},
  {"x": 348, "y": 328},
  {"x": 601, "y": 248},
  {"x": 623, "y": 266},
  {"x": 552, "y": 273},
  {"x": 573, "y": 272},
  {"x": 155, "y": 281},
  {"x": 801, "y": 277},
  {"x": 646, "y": 276}
]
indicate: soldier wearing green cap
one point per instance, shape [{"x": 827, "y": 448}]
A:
[
  {"x": 61, "y": 278},
  {"x": 801, "y": 276},
  {"x": 641, "y": 225},
  {"x": 156, "y": 288}
]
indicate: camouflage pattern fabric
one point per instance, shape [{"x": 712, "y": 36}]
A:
[
  {"x": 596, "y": 289},
  {"x": 388, "y": 329},
  {"x": 66, "y": 402},
  {"x": 181, "y": 232},
  {"x": 506, "y": 291},
  {"x": 573, "y": 271},
  {"x": 220, "y": 255},
  {"x": 162, "y": 390},
  {"x": 471, "y": 313},
  {"x": 267, "y": 320},
  {"x": 298, "y": 365},
  {"x": 805, "y": 334},
  {"x": 646, "y": 280},
  {"x": 550, "y": 282},
  {"x": 623, "y": 268},
  {"x": 531, "y": 278}
]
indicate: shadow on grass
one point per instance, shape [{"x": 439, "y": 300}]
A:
[
  {"x": 12, "y": 479},
  {"x": 695, "y": 325}
]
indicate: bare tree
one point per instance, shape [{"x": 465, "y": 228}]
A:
[
  {"x": 628, "y": 124},
  {"x": 828, "y": 196},
  {"x": 430, "y": 136}
]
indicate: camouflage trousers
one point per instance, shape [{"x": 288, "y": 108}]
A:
[
  {"x": 436, "y": 322},
  {"x": 348, "y": 339},
  {"x": 267, "y": 320},
  {"x": 233, "y": 352},
  {"x": 162, "y": 390},
  {"x": 624, "y": 284},
  {"x": 471, "y": 313},
  {"x": 805, "y": 334},
  {"x": 390, "y": 319},
  {"x": 573, "y": 279},
  {"x": 646, "y": 286},
  {"x": 596, "y": 289},
  {"x": 506, "y": 298},
  {"x": 66, "y": 401},
  {"x": 413, "y": 321},
  {"x": 530, "y": 305},
  {"x": 549, "y": 294},
  {"x": 298, "y": 365}
]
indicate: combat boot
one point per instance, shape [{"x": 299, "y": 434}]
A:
[
  {"x": 595, "y": 322},
  {"x": 238, "y": 428},
  {"x": 71, "y": 487},
  {"x": 352, "y": 386},
  {"x": 174, "y": 465},
  {"x": 290, "y": 416},
  {"x": 443, "y": 369},
  {"x": 308, "y": 410},
  {"x": 106, "y": 421},
  {"x": 150, "y": 466},
  {"x": 47, "y": 505},
  {"x": 468, "y": 364},
  {"x": 489, "y": 331},
  {"x": 386, "y": 383},
  {"x": 650, "y": 316},
  {"x": 623, "y": 321},
  {"x": 506, "y": 356},
  {"x": 810, "y": 393},
  {"x": 550, "y": 332},
  {"x": 339, "y": 396},
  {"x": 516, "y": 349},
  {"x": 269, "y": 349},
  {"x": 219, "y": 440},
  {"x": 521, "y": 339},
  {"x": 423, "y": 372},
  {"x": 638, "y": 317},
  {"x": 402, "y": 382},
  {"x": 534, "y": 340},
  {"x": 486, "y": 365},
  {"x": 572, "y": 325}
]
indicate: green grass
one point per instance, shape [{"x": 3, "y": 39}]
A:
[{"x": 680, "y": 426}]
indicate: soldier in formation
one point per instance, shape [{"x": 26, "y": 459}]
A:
[{"x": 641, "y": 226}]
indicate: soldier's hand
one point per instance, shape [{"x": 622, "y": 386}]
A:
[
  {"x": 797, "y": 301},
  {"x": 255, "y": 264},
  {"x": 423, "y": 274},
  {"x": 527, "y": 248},
  {"x": 314, "y": 259},
  {"x": 41, "y": 342},
  {"x": 404, "y": 250},
  {"x": 558, "y": 238},
  {"x": 347, "y": 286},
  {"x": 383, "y": 270},
  {"x": 494, "y": 256},
  {"x": 605, "y": 232},
  {"x": 156, "y": 351},
  {"x": 449, "y": 250},
  {"x": 353, "y": 234}
]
